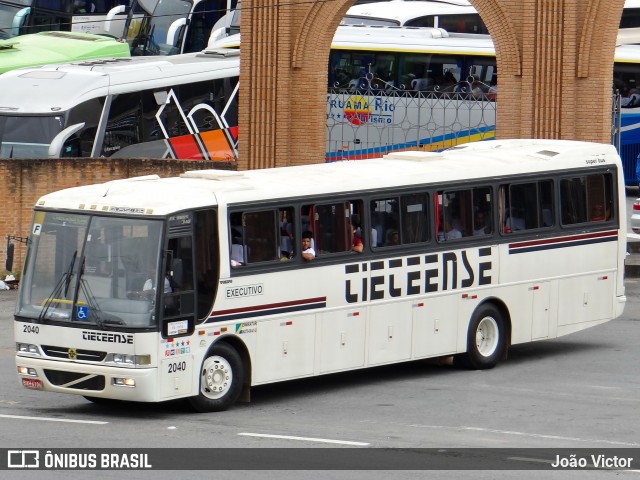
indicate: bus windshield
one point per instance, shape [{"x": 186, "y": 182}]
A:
[
  {"x": 156, "y": 31},
  {"x": 104, "y": 273},
  {"x": 28, "y": 137}
]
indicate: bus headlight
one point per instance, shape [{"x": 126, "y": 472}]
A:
[
  {"x": 27, "y": 348},
  {"x": 129, "y": 360}
]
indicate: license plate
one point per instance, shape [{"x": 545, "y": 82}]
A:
[{"x": 32, "y": 383}]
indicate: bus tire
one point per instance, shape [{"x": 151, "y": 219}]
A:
[
  {"x": 485, "y": 339},
  {"x": 220, "y": 380}
]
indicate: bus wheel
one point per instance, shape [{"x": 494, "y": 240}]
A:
[
  {"x": 220, "y": 380},
  {"x": 485, "y": 340}
]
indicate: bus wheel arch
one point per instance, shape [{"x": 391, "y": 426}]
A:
[
  {"x": 221, "y": 378},
  {"x": 488, "y": 335}
]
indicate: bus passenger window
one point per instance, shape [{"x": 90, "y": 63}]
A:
[
  {"x": 385, "y": 222},
  {"x": 586, "y": 199},
  {"x": 526, "y": 206},
  {"x": 399, "y": 220},
  {"x": 261, "y": 236},
  {"x": 335, "y": 227},
  {"x": 464, "y": 213}
]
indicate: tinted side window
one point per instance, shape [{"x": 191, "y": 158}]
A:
[
  {"x": 463, "y": 213},
  {"x": 261, "y": 236},
  {"x": 526, "y": 206},
  {"x": 123, "y": 123},
  {"x": 89, "y": 113},
  {"x": 586, "y": 198},
  {"x": 399, "y": 220}
]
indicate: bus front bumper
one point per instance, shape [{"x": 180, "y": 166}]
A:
[{"x": 130, "y": 384}]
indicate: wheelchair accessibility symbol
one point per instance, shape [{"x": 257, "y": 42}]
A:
[{"x": 82, "y": 313}]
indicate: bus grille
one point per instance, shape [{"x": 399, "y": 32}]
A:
[
  {"x": 83, "y": 355},
  {"x": 79, "y": 381}
]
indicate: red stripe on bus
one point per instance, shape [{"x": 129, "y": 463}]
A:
[
  {"x": 563, "y": 239},
  {"x": 271, "y": 305}
]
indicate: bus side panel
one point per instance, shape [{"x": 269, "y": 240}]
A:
[
  {"x": 435, "y": 329},
  {"x": 176, "y": 376},
  {"x": 390, "y": 332},
  {"x": 341, "y": 339},
  {"x": 284, "y": 348},
  {"x": 586, "y": 299},
  {"x": 367, "y": 126}
]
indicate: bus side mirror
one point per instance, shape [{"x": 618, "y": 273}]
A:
[
  {"x": 18, "y": 21},
  {"x": 174, "y": 28},
  {"x": 111, "y": 15},
  {"x": 55, "y": 149},
  {"x": 9, "y": 263}
]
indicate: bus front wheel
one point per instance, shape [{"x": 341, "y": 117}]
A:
[
  {"x": 485, "y": 339},
  {"x": 220, "y": 380}
]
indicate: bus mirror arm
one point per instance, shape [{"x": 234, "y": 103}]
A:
[
  {"x": 111, "y": 15},
  {"x": 18, "y": 20},
  {"x": 173, "y": 30},
  {"x": 55, "y": 149}
]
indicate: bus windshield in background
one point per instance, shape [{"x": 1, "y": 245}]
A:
[
  {"x": 149, "y": 35},
  {"x": 28, "y": 137},
  {"x": 8, "y": 14},
  {"x": 104, "y": 272}
]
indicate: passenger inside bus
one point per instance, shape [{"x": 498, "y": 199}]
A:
[
  {"x": 597, "y": 213},
  {"x": 480, "y": 226},
  {"x": 356, "y": 234},
  {"x": 149, "y": 285},
  {"x": 393, "y": 238},
  {"x": 308, "y": 252}
]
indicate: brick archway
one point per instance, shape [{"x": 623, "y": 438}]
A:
[{"x": 554, "y": 60}]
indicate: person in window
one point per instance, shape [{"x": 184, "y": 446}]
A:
[
  {"x": 149, "y": 284},
  {"x": 515, "y": 221},
  {"x": 356, "y": 234},
  {"x": 286, "y": 236},
  {"x": 480, "y": 226},
  {"x": 597, "y": 213},
  {"x": 450, "y": 231},
  {"x": 393, "y": 238},
  {"x": 308, "y": 253}
]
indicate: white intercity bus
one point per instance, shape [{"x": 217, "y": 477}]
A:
[
  {"x": 461, "y": 253},
  {"x": 182, "y": 106}
]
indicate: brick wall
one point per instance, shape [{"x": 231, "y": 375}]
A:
[{"x": 22, "y": 182}]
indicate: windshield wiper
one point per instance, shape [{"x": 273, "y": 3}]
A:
[
  {"x": 94, "y": 314},
  {"x": 63, "y": 284}
]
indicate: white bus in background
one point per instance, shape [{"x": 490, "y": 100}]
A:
[
  {"x": 168, "y": 27},
  {"x": 453, "y": 15},
  {"x": 464, "y": 253},
  {"x": 183, "y": 106},
  {"x": 457, "y": 16},
  {"x": 630, "y": 14},
  {"x": 393, "y": 89},
  {"x": 20, "y": 17}
]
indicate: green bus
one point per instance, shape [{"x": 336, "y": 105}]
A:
[{"x": 57, "y": 47}]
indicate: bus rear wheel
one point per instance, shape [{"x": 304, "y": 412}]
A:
[
  {"x": 485, "y": 338},
  {"x": 220, "y": 380}
]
